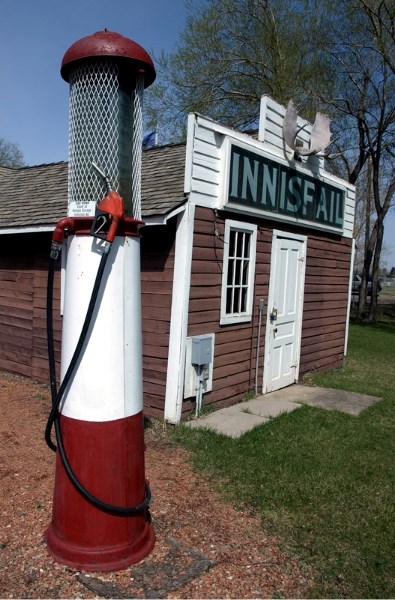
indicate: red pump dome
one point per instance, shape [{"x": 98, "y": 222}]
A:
[{"x": 108, "y": 43}]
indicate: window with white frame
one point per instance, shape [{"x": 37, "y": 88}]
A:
[{"x": 238, "y": 272}]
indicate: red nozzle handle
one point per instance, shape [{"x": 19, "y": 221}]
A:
[{"x": 113, "y": 205}]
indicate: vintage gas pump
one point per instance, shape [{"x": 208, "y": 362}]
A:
[{"x": 100, "y": 517}]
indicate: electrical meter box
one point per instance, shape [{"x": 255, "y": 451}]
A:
[{"x": 201, "y": 350}]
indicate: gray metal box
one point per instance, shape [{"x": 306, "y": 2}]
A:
[{"x": 202, "y": 350}]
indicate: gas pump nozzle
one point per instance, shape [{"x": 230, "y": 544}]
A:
[
  {"x": 109, "y": 211},
  {"x": 108, "y": 184}
]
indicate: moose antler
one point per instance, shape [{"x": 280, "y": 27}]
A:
[{"x": 320, "y": 133}]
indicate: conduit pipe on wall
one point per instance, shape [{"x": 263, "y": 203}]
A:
[{"x": 260, "y": 312}]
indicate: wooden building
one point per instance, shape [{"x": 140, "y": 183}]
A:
[{"x": 246, "y": 253}]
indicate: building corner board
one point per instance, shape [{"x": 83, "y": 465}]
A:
[{"x": 179, "y": 315}]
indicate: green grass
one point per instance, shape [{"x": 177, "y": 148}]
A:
[
  {"x": 385, "y": 313},
  {"x": 388, "y": 291},
  {"x": 323, "y": 480}
]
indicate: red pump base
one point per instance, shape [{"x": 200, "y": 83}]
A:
[{"x": 111, "y": 467}]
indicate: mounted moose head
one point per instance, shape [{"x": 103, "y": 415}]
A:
[{"x": 320, "y": 136}]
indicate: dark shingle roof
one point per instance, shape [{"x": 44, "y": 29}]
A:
[
  {"x": 33, "y": 195},
  {"x": 37, "y": 196},
  {"x": 162, "y": 179}
]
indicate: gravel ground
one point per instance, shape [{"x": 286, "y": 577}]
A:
[{"x": 204, "y": 547}]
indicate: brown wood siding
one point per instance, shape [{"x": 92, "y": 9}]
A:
[
  {"x": 325, "y": 305},
  {"x": 157, "y": 265},
  {"x": 235, "y": 345},
  {"x": 23, "y": 283},
  {"x": 23, "y": 292},
  {"x": 40, "y": 369},
  {"x": 325, "y": 302}
]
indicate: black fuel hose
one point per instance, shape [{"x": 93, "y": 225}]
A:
[{"x": 57, "y": 396}]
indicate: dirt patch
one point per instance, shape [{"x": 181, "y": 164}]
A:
[{"x": 204, "y": 547}]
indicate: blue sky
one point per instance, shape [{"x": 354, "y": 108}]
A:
[{"x": 35, "y": 34}]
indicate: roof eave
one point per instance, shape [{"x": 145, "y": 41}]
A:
[
  {"x": 26, "y": 229},
  {"x": 163, "y": 219},
  {"x": 158, "y": 219}
]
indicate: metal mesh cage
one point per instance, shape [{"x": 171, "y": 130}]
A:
[
  {"x": 137, "y": 147},
  {"x": 104, "y": 125}
]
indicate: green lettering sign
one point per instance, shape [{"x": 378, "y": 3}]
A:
[{"x": 267, "y": 186}]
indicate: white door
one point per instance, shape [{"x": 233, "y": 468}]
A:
[{"x": 284, "y": 310}]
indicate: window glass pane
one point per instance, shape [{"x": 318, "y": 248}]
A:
[
  {"x": 229, "y": 300},
  {"x": 237, "y": 272},
  {"x": 230, "y": 271},
  {"x": 247, "y": 244},
  {"x": 232, "y": 244},
  {"x": 240, "y": 244},
  {"x": 243, "y": 304},
  {"x": 236, "y": 300},
  {"x": 245, "y": 272}
]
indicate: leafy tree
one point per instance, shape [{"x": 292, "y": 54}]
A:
[
  {"x": 357, "y": 45},
  {"x": 332, "y": 56},
  {"x": 10, "y": 154},
  {"x": 230, "y": 54}
]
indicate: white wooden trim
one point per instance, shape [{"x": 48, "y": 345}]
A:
[
  {"x": 262, "y": 119},
  {"x": 349, "y": 297},
  {"x": 242, "y": 317},
  {"x": 162, "y": 219},
  {"x": 179, "y": 315},
  {"x": 207, "y": 171},
  {"x": 257, "y": 146},
  {"x": 291, "y": 236},
  {"x": 189, "y": 152}
]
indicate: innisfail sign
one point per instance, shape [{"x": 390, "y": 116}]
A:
[{"x": 278, "y": 191}]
